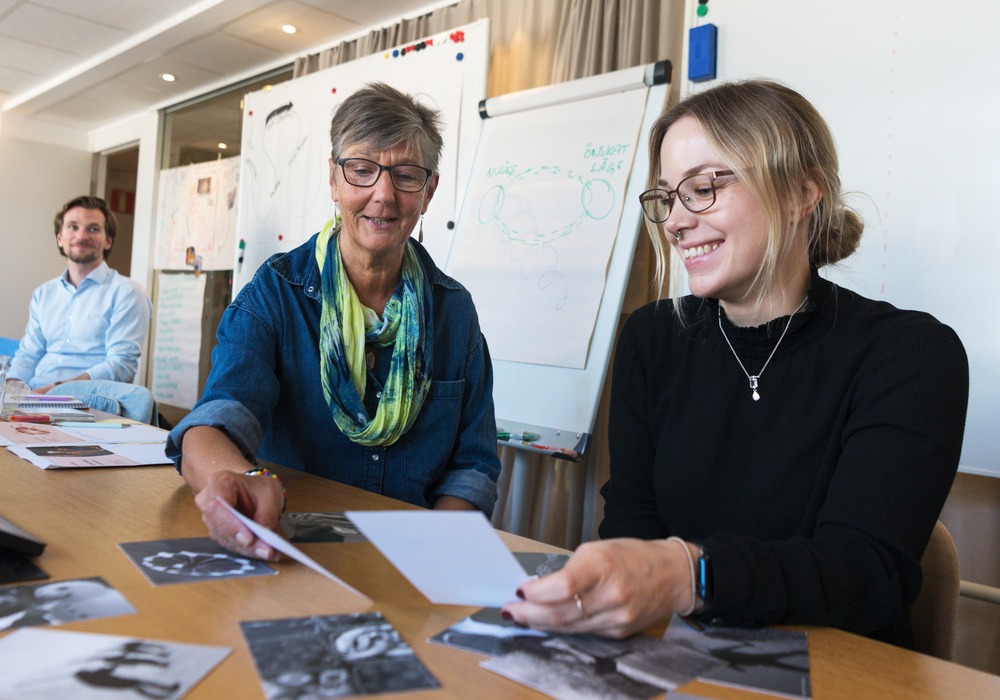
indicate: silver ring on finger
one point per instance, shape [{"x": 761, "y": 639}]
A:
[{"x": 579, "y": 605}]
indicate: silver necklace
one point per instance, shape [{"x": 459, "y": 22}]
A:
[{"x": 754, "y": 377}]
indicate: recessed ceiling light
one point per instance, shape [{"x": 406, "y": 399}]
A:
[
  {"x": 223, "y": 146},
  {"x": 169, "y": 77},
  {"x": 289, "y": 28}
]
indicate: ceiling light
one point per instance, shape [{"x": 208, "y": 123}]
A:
[
  {"x": 223, "y": 146},
  {"x": 288, "y": 28},
  {"x": 169, "y": 77}
]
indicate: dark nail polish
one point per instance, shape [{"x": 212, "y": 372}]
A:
[
  {"x": 520, "y": 594},
  {"x": 506, "y": 615}
]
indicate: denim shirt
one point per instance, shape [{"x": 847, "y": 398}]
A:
[{"x": 264, "y": 391}]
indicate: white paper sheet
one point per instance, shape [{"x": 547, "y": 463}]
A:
[
  {"x": 539, "y": 223},
  {"x": 197, "y": 209},
  {"x": 452, "y": 557},
  {"x": 180, "y": 301},
  {"x": 45, "y": 434},
  {"x": 286, "y": 547}
]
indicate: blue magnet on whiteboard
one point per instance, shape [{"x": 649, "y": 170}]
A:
[{"x": 701, "y": 52}]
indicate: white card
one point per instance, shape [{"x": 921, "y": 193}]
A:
[
  {"x": 284, "y": 546},
  {"x": 452, "y": 557}
]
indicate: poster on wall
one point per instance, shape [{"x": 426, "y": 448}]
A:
[
  {"x": 196, "y": 216},
  {"x": 177, "y": 344}
]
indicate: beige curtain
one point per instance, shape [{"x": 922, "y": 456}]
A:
[
  {"x": 522, "y": 35},
  {"x": 533, "y": 43}
]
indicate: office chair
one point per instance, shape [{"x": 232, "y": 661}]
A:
[
  {"x": 120, "y": 398},
  {"x": 934, "y": 614}
]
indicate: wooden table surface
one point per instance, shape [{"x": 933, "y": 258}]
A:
[{"x": 83, "y": 514}]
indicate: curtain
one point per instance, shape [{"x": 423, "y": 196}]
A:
[{"x": 534, "y": 43}]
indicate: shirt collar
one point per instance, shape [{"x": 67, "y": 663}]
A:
[{"x": 98, "y": 275}]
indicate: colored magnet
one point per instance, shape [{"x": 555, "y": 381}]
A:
[{"x": 701, "y": 54}]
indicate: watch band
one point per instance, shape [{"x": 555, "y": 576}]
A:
[{"x": 705, "y": 579}]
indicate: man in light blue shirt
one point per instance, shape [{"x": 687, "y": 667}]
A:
[{"x": 90, "y": 322}]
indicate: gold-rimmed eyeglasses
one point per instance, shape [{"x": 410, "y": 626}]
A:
[
  {"x": 696, "y": 193},
  {"x": 405, "y": 177}
]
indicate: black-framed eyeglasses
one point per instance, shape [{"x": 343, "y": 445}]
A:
[
  {"x": 405, "y": 177},
  {"x": 696, "y": 193}
]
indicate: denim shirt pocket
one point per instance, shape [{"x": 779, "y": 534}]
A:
[{"x": 431, "y": 439}]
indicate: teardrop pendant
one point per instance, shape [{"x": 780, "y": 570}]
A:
[{"x": 756, "y": 396}]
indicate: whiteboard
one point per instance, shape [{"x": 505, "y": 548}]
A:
[
  {"x": 536, "y": 139},
  {"x": 284, "y": 194},
  {"x": 910, "y": 93}
]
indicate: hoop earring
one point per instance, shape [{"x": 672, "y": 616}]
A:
[{"x": 420, "y": 233}]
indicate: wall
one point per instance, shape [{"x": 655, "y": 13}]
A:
[
  {"x": 35, "y": 181},
  {"x": 888, "y": 76}
]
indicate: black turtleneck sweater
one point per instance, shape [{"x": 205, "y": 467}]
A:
[{"x": 816, "y": 502}]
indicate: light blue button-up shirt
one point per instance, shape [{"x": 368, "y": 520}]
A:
[{"x": 99, "y": 328}]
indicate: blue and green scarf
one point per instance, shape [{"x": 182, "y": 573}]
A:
[{"x": 346, "y": 326}]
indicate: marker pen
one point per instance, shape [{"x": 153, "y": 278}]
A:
[
  {"x": 517, "y": 437},
  {"x": 31, "y": 418}
]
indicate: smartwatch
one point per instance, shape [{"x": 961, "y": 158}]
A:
[{"x": 705, "y": 580}]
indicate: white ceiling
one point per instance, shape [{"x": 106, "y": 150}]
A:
[{"x": 79, "y": 64}]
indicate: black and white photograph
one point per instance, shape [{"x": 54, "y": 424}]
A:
[
  {"x": 578, "y": 667},
  {"x": 333, "y": 656},
  {"x": 769, "y": 659},
  {"x": 541, "y": 563},
  {"x": 486, "y": 632},
  {"x": 190, "y": 559},
  {"x": 570, "y": 666},
  {"x": 60, "y": 602},
  {"x": 319, "y": 527},
  {"x": 55, "y": 665}
]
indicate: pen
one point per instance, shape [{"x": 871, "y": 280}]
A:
[
  {"x": 517, "y": 437},
  {"x": 79, "y": 424}
]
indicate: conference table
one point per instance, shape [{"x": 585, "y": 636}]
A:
[{"x": 83, "y": 515}]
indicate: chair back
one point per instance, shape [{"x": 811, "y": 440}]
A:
[{"x": 934, "y": 614}]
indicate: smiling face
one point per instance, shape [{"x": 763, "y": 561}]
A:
[
  {"x": 83, "y": 237},
  {"x": 377, "y": 220},
  {"x": 722, "y": 247}
]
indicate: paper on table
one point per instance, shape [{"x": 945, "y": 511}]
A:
[
  {"x": 43, "y": 434},
  {"x": 452, "y": 557},
  {"x": 102, "y": 454},
  {"x": 285, "y": 547}
]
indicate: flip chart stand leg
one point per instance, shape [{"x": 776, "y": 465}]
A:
[{"x": 519, "y": 485}]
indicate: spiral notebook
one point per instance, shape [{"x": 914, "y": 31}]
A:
[{"x": 35, "y": 401}]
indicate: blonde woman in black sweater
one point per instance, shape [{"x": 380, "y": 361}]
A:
[{"x": 780, "y": 446}]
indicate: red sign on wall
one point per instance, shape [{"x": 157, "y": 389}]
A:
[{"x": 122, "y": 202}]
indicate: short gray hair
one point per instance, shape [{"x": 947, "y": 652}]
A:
[{"x": 383, "y": 117}]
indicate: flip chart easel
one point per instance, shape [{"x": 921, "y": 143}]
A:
[{"x": 558, "y": 404}]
